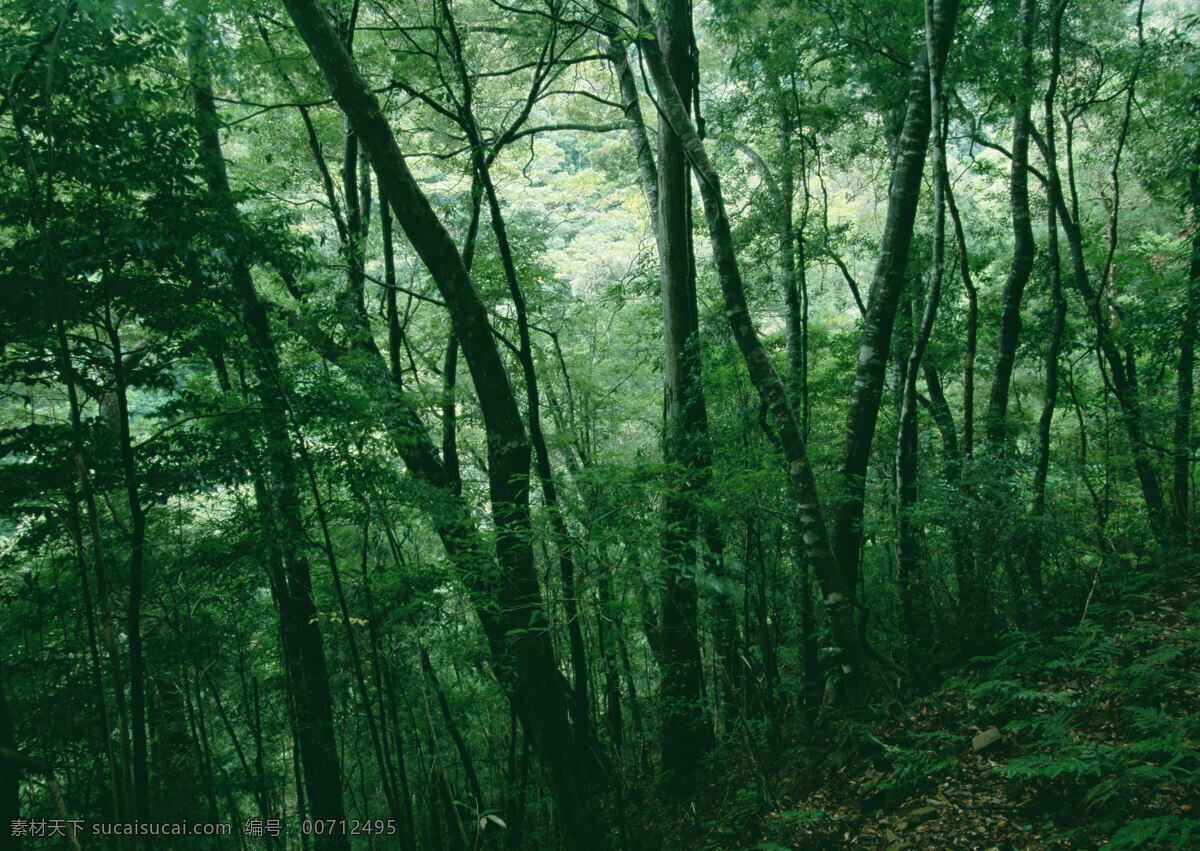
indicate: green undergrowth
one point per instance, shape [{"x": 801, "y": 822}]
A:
[
  {"x": 1096, "y": 744},
  {"x": 1101, "y": 723}
]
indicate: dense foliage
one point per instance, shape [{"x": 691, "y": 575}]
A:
[{"x": 482, "y": 424}]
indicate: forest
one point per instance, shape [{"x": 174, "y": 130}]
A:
[{"x": 522, "y": 424}]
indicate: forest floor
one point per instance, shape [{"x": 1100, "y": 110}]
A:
[{"x": 1088, "y": 738}]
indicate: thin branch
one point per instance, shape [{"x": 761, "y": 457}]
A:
[{"x": 551, "y": 128}]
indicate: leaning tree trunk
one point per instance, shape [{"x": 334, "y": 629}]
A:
[
  {"x": 1023, "y": 244},
  {"x": 766, "y": 380},
  {"x": 580, "y": 703},
  {"x": 303, "y": 651},
  {"x": 508, "y": 600},
  {"x": 884, "y": 297},
  {"x": 1034, "y": 553},
  {"x": 906, "y": 439}
]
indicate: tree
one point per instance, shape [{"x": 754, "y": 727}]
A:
[
  {"x": 886, "y": 286},
  {"x": 271, "y": 544},
  {"x": 509, "y": 604}
]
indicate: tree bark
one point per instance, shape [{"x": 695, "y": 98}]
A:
[
  {"x": 685, "y": 733},
  {"x": 908, "y": 532},
  {"x": 666, "y": 183},
  {"x": 508, "y": 600},
  {"x": 1033, "y": 560},
  {"x": 1182, "y": 462},
  {"x": 1023, "y": 244},
  {"x": 884, "y": 297},
  {"x": 810, "y": 518},
  {"x": 303, "y": 651},
  {"x": 618, "y": 56}
]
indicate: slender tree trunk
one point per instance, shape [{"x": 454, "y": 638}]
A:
[
  {"x": 303, "y": 651},
  {"x": 440, "y": 788},
  {"x": 266, "y": 784},
  {"x": 1033, "y": 561},
  {"x": 93, "y": 645},
  {"x": 356, "y": 658},
  {"x": 607, "y": 615},
  {"x": 884, "y": 296},
  {"x": 1000, "y": 493},
  {"x": 460, "y": 745},
  {"x": 137, "y": 553},
  {"x": 353, "y": 231},
  {"x": 386, "y": 732},
  {"x": 508, "y": 601},
  {"x": 685, "y": 733},
  {"x": 231, "y": 732},
  {"x": 1182, "y": 462},
  {"x": 964, "y": 268},
  {"x": 518, "y": 787},
  {"x": 971, "y": 602},
  {"x": 908, "y": 532},
  {"x": 1023, "y": 244},
  {"x": 579, "y": 701},
  {"x": 810, "y": 517},
  {"x": 667, "y": 187},
  {"x": 409, "y": 829},
  {"x": 904, "y": 475},
  {"x": 794, "y": 279},
  {"x": 1123, "y": 380},
  {"x": 647, "y": 167},
  {"x": 203, "y": 738}
]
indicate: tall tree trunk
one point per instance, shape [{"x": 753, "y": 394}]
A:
[
  {"x": 1122, "y": 378},
  {"x": 810, "y": 518},
  {"x": 579, "y": 700},
  {"x": 884, "y": 297},
  {"x": 356, "y": 657},
  {"x": 607, "y": 615},
  {"x": 908, "y": 532},
  {"x": 1023, "y": 244},
  {"x": 964, "y": 268},
  {"x": 137, "y": 557},
  {"x": 667, "y": 187},
  {"x": 303, "y": 650},
  {"x": 794, "y": 280},
  {"x": 685, "y": 733},
  {"x": 1182, "y": 462},
  {"x": 95, "y": 666},
  {"x": 508, "y": 601},
  {"x": 903, "y": 471},
  {"x": 1034, "y": 553}
]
